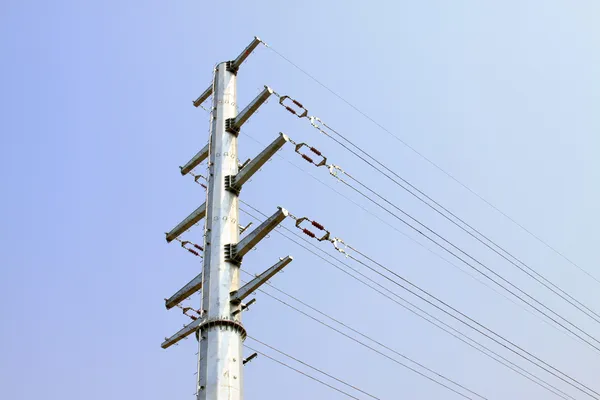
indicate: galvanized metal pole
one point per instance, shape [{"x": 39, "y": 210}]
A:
[
  {"x": 219, "y": 327},
  {"x": 221, "y": 334}
]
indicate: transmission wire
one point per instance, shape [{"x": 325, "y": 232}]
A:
[
  {"x": 312, "y": 367},
  {"x": 302, "y": 372},
  {"x": 471, "y": 265},
  {"x": 414, "y": 150},
  {"x": 446, "y": 312}
]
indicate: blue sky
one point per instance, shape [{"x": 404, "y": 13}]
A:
[{"x": 97, "y": 117}]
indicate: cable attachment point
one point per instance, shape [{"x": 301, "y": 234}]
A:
[
  {"x": 301, "y": 112},
  {"x": 337, "y": 242},
  {"x": 335, "y": 171},
  {"x": 317, "y": 123},
  {"x": 197, "y": 177},
  {"x": 186, "y": 310},
  {"x": 309, "y": 159}
]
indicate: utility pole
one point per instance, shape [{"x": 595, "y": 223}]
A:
[{"x": 219, "y": 327}]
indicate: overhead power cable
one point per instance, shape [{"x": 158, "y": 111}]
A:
[
  {"x": 515, "y": 261},
  {"x": 527, "y": 356},
  {"x": 300, "y": 111},
  {"x": 467, "y": 337},
  {"x": 394, "y": 227},
  {"x": 336, "y": 241},
  {"x": 539, "y": 307},
  {"x": 428, "y": 160},
  {"x": 438, "y": 323},
  {"x": 434, "y": 380},
  {"x": 368, "y": 338},
  {"x": 302, "y": 373},
  {"x": 314, "y": 368},
  {"x": 498, "y": 358}
]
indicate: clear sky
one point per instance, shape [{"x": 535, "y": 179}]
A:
[{"x": 97, "y": 117}]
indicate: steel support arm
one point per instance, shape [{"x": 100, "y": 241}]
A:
[
  {"x": 235, "y": 65},
  {"x": 203, "y": 96},
  {"x": 257, "y": 162},
  {"x": 248, "y": 288},
  {"x": 184, "y": 225},
  {"x": 195, "y": 161},
  {"x": 250, "y": 109},
  {"x": 182, "y": 334},
  {"x": 252, "y": 239},
  {"x": 244, "y": 54},
  {"x": 190, "y": 288}
]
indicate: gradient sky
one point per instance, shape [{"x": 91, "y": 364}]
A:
[{"x": 97, "y": 117}]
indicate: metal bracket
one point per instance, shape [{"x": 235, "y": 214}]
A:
[
  {"x": 183, "y": 333},
  {"x": 190, "y": 288},
  {"x": 243, "y": 292},
  {"x": 243, "y": 307},
  {"x": 187, "y": 223},
  {"x": 205, "y": 95},
  {"x": 244, "y": 54},
  {"x": 233, "y": 125},
  {"x": 232, "y": 66},
  {"x": 235, "y": 252},
  {"x": 230, "y": 184},
  {"x": 231, "y": 255},
  {"x": 195, "y": 161},
  {"x": 242, "y": 165},
  {"x": 230, "y": 126},
  {"x": 243, "y": 228},
  {"x": 234, "y": 183},
  {"x": 259, "y": 233},
  {"x": 248, "y": 304},
  {"x": 250, "y": 358}
]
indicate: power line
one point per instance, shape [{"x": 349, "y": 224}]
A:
[
  {"x": 502, "y": 360},
  {"x": 335, "y": 171},
  {"x": 438, "y": 320},
  {"x": 430, "y": 250},
  {"x": 314, "y": 368},
  {"x": 465, "y": 323},
  {"x": 454, "y": 317},
  {"x": 453, "y": 255},
  {"x": 366, "y": 337},
  {"x": 381, "y": 353},
  {"x": 471, "y": 265},
  {"x": 302, "y": 373},
  {"x": 532, "y": 273},
  {"x": 546, "y": 244},
  {"x": 478, "y": 330}
]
